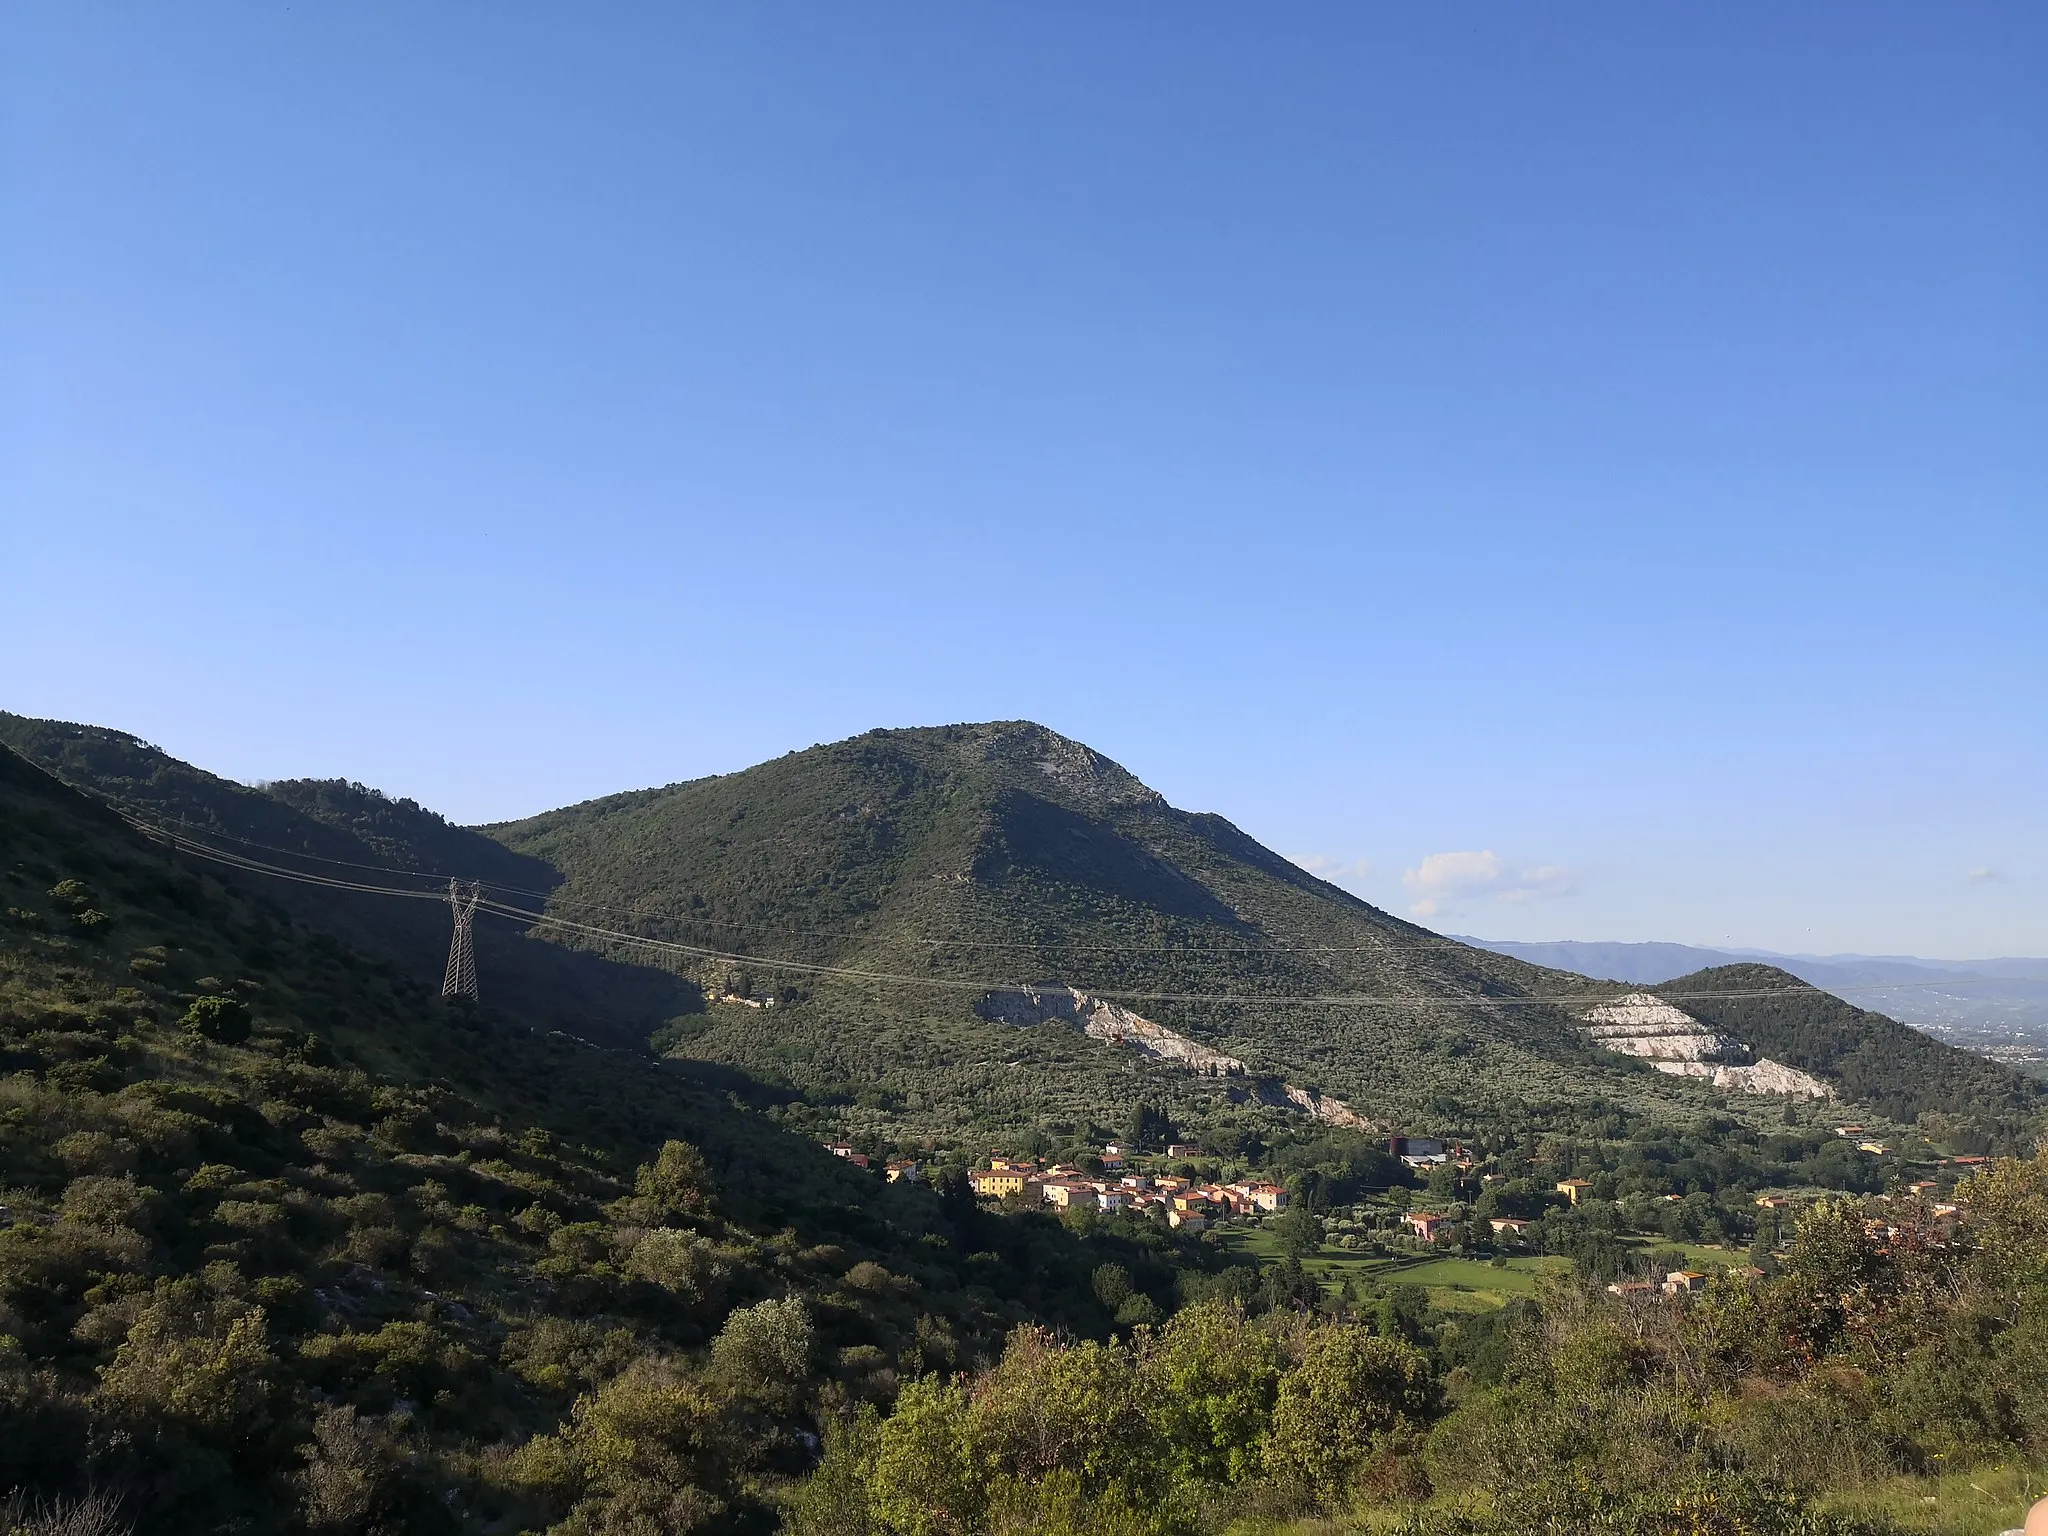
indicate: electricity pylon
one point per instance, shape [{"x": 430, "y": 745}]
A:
[{"x": 460, "y": 978}]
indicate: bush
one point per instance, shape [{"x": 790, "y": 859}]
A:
[
  {"x": 647, "y": 1452},
  {"x": 225, "y": 1019},
  {"x": 676, "y": 1184},
  {"x": 766, "y": 1348},
  {"x": 202, "y": 1364},
  {"x": 1334, "y": 1409}
]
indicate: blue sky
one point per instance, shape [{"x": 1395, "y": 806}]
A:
[{"x": 1567, "y": 472}]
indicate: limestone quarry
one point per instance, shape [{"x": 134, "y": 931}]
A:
[{"x": 1644, "y": 1025}]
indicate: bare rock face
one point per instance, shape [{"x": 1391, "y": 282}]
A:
[
  {"x": 1643, "y": 1024},
  {"x": 1766, "y": 1076},
  {"x": 1100, "y": 1019},
  {"x": 1673, "y": 1041},
  {"x": 1329, "y": 1111}
]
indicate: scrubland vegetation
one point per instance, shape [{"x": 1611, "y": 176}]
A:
[{"x": 288, "y": 1243}]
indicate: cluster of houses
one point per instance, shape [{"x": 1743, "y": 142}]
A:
[{"x": 1185, "y": 1203}]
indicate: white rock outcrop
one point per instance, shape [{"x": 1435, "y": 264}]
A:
[
  {"x": 1103, "y": 1020},
  {"x": 1642, "y": 1024},
  {"x": 1321, "y": 1107},
  {"x": 1766, "y": 1076},
  {"x": 1109, "y": 1021}
]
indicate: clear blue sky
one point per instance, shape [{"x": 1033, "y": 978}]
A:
[{"x": 1602, "y": 447}]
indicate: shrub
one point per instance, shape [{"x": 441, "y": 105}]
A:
[
  {"x": 214, "y": 1017},
  {"x": 202, "y": 1364},
  {"x": 98, "y": 1201},
  {"x": 766, "y": 1347},
  {"x": 681, "y": 1263},
  {"x": 646, "y": 1452},
  {"x": 1333, "y": 1409},
  {"x": 677, "y": 1183}
]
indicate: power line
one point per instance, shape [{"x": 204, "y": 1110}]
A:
[
  {"x": 699, "y": 952},
  {"x": 664, "y": 915},
  {"x": 1186, "y": 952}
]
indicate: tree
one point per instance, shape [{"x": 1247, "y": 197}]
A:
[
  {"x": 1112, "y": 1285},
  {"x": 956, "y": 1203},
  {"x": 1350, "y": 1389},
  {"x": 1150, "y": 1126},
  {"x": 1215, "y": 1377},
  {"x": 677, "y": 1183},
  {"x": 766, "y": 1348},
  {"x": 1299, "y": 1231},
  {"x": 929, "y": 1476}
]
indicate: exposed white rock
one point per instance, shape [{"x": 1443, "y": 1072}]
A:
[
  {"x": 1766, "y": 1076},
  {"x": 1328, "y": 1110},
  {"x": 1112, "y": 1022},
  {"x": 1643, "y": 1024},
  {"x": 1107, "y": 1021},
  {"x": 1672, "y": 1040}
]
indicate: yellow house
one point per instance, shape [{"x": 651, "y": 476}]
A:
[
  {"x": 1573, "y": 1188},
  {"x": 996, "y": 1183}
]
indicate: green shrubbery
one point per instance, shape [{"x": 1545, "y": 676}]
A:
[
  {"x": 305, "y": 1248},
  {"x": 324, "y": 1254},
  {"x": 1874, "y": 1353}
]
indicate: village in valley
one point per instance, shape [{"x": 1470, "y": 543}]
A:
[
  {"x": 1488, "y": 1219},
  {"x": 1183, "y": 1202}
]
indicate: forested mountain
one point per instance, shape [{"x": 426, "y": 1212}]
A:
[
  {"x": 851, "y": 908},
  {"x": 966, "y": 858},
  {"x": 1871, "y": 1059},
  {"x": 1004, "y": 853},
  {"x": 1980, "y": 1002},
  {"x": 289, "y": 1241}
]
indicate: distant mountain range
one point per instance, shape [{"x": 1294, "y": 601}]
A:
[{"x": 1999, "y": 1003}]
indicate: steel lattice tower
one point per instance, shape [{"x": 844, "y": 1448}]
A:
[{"x": 460, "y": 978}]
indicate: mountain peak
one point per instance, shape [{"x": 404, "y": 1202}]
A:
[{"x": 1029, "y": 755}]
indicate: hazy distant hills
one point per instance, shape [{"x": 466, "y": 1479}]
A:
[
  {"x": 1973, "y": 1002},
  {"x": 844, "y": 921}
]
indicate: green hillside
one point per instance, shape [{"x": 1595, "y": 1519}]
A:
[
  {"x": 286, "y": 1239},
  {"x": 287, "y": 1242},
  {"x": 1871, "y": 1059},
  {"x": 331, "y": 827},
  {"x": 966, "y": 857},
  {"x": 872, "y": 892}
]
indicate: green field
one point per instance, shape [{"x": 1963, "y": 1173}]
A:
[
  {"x": 1697, "y": 1255},
  {"x": 1462, "y": 1284}
]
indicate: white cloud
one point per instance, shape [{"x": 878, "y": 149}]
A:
[
  {"x": 1446, "y": 879},
  {"x": 1985, "y": 875},
  {"x": 1325, "y": 866}
]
